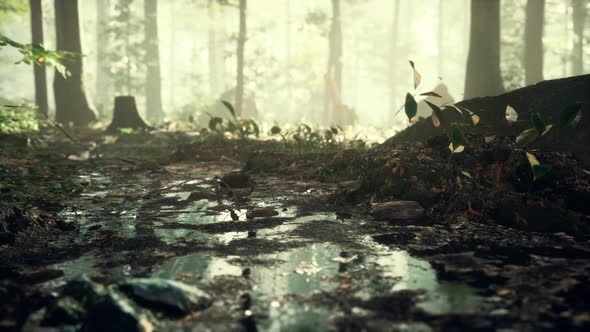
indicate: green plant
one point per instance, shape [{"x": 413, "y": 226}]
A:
[
  {"x": 38, "y": 55},
  {"x": 18, "y": 119},
  {"x": 569, "y": 117},
  {"x": 242, "y": 128}
]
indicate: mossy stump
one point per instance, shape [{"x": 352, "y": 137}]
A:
[{"x": 125, "y": 115}]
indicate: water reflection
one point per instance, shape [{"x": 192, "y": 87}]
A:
[{"x": 371, "y": 269}]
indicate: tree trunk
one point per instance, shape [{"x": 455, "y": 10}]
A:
[
  {"x": 240, "y": 55},
  {"x": 71, "y": 104},
  {"x": 288, "y": 57},
  {"x": 533, "y": 41},
  {"x": 215, "y": 51},
  {"x": 440, "y": 35},
  {"x": 171, "y": 55},
  {"x": 102, "y": 66},
  {"x": 153, "y": 85},
  {"x": 393, "y": 62},
  {"x": 39, "y": 71},
  {"x": 125, "y": 115},
  {"x": 483, "y": 61},
  {"x": 579, "y": 18},
  {"x": 334, "y": 61}
]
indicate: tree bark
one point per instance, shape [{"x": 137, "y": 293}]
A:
[
  {"x": 533, "y": 41},
  {"x": 153, "y": 85},
  {"x": 71, "y": 104},
  {"x": 483, "y": 60},
  {"x": 579, "y": 18},
  {"x": 102, "y": 67},
  {"x": 240, "y": 57},
  {"x": 39, "y": 71}
]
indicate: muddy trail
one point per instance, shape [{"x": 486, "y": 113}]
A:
[{"x": 230, "y": 244}]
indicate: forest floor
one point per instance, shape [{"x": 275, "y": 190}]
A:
[{"x": 290, "y": 240}]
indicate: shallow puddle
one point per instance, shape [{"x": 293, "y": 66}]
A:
[{"x": 282, "y": 280}]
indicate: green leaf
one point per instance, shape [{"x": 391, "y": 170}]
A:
[
  {"x": 411, "y": 106},
  {"x": 214, "y": 122},
  {"x": 527, "y": 137},
  {"x": 570, "y": 115},
  {"x": 538, "y": 123},
  {"x": 275, "y": 130},
  {"x": 511, "y": 114},
  {"x": 437, "y": 116},
  {"x": 539, "y": 170},
  {"x": 230, "y": 108},
  {"x": 457, "y": 141}
]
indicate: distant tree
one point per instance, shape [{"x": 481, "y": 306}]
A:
[
  {"x": 71, "y": 104},
  {"x": 393, "y": 56},
  {"x": 216, "y": 59},
  {"x": 39, "y": 71},
  {"x": 533, "y": 41},
  {"x": 153, "y": 86},
  {"x": 126, "y": 53},
  {"x": 334, "y": 70},
  {"x": 440, "y": 38},
  {"x": 102, "y": 86},
  {"x": 240, "y": 59},
  {"x": 483, "y": 60},
  {"x": 579, "y": 13}
]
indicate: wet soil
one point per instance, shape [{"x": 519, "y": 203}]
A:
[{"x": 314, "y": 259}]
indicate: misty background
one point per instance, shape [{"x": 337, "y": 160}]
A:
[{"x": 287, "y": 51}]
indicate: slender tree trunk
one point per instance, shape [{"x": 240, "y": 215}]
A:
[
  {"x": 71, "y": 104},
  {"x": 127, "y": 8},
  {"x": 39, "y": 71},
  {"x": 440, "y": 36},
  {"x": 483, "y": 61},
  {"x": 102, "y": 66},
  {"x": 288, "y": 56},
  {"x": 334, "y": 62},
  {"x": 171, "y": 55},
  {"x": 215, "y": 51},
  {"x": 240, "y": 57},
  {"x": 212, "y": 54},
  {"x": 533, "y": 41},
  {"x": 393, "y": 63},
  {"x": 153, "y": 86},
  {"x": 579, "y": 18}
]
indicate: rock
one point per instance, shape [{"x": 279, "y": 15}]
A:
[
  {"x": 170, "y": 295},
  {"x": 419, "y": 193},
  {"x": 42, "y": 275},
  {"x": 85, "y": 291},
  {"x": 397, "y": 210},
  {"x": 241, "y": 193},
  {"x": 63, "y": 311},
  {"x": 236, "y": 180},
  {"x": 202, "y": 194},
  {"x": 262, "y": 213},
  {"x": 113, "y": 313},
  {"x": 352, "y": 185}
]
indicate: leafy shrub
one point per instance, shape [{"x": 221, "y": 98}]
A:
[{"x": 16, "y": 120}]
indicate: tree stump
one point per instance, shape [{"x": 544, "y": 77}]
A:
[{"x": 125, "y": 115}]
